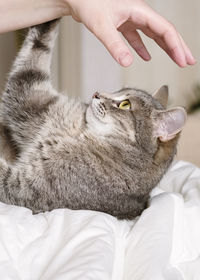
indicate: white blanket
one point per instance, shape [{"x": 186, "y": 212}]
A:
[{"x": 162, "y": 244}]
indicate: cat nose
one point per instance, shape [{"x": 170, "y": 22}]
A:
[{"x": 96, "y": 95}]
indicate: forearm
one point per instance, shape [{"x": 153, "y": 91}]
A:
[
  {"x": 16, "y": 14},
  {"x": 104, "y": 19}
]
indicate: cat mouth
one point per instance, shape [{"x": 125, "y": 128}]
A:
[{"x": 98, "y": 109}]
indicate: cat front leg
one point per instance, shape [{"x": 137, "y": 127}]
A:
[
  {"x": 29, "y": 93},
  {"x": 36, "y": 52}
]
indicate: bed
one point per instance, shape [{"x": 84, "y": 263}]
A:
[{"x": 162, "y": 244}]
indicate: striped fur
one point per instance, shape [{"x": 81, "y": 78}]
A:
[{"x": 66, "y": 156}]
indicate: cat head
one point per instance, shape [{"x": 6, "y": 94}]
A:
[{"x": 135, "y": 114}]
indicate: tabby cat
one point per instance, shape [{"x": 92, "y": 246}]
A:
[{"x": 106, "y": 156}]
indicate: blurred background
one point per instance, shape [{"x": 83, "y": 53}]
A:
[{"x": 81, "y": 66}]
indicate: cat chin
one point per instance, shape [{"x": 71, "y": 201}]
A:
[{"x": 95, "y": 125}]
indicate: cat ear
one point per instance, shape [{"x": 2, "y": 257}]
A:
[
  {"x": 162, "y": 95},
  {"x": 168, "y": 123}
]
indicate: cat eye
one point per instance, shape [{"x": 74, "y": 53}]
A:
[{"x": 125, "y": 105}]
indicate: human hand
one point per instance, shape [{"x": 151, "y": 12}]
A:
[{"x": 104, "y": 18}]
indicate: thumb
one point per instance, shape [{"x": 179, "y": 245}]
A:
[{"x": 110, "y": 37}]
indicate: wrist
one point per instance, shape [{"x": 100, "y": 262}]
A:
[
  {"x": 68, "y": 7},
  {"x": 63, "y": 7},
  {"x": 73, "y": 8}
]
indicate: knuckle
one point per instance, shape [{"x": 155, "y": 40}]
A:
[
  {"x": 170, "y": 29},
  {"x": 96, "y": 24}
]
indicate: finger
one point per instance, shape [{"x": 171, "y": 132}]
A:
[
  {"x": 164, "y": 47},
  {"x": 134, "y": 39},
  {"x": 156, "y": 27},
  {"x": 189, "y": 57},
  {"x": 171, "y": 54},
  {"x": 173, "y": 48},
  {"x": 171, "y": 42},
  {"x": 110, "y": 37}
]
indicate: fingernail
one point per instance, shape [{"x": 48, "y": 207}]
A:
[
  {"x": 125, "y": 59},
  {"x": 146, "y": 56},
  {"x": 191, "y": 59},
  {"x": 182, "y": 61}
]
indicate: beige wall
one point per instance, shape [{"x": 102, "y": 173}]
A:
[
  {"x": 69, "y": 54},
  {"x": 7, "y": 53}
]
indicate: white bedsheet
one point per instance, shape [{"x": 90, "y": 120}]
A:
[{"x": 162, "y": 244}]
